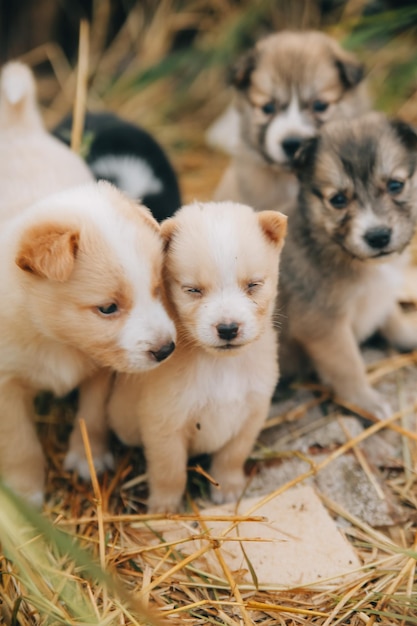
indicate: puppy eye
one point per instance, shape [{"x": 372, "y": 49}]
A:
[
  {"x": 109, "y": 309},
  {"x": 252, "y": 286},
  {"x": 319, "y": 106},
  {"x": 339, "y": 201},
  {"x": 269, "y": 108},
  {"x": 194, "y": 291},
  {"x": 395, "y": 186}
]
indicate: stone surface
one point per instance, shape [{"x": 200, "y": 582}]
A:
[{"x": 315, "y": 436}]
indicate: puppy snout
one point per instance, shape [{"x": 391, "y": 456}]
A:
[
  {"x": 290, "y": 145},
  {"x": 163, "y": 352},
  {"x": 378, "y": 237},
  {"x": 228, "y": 331}
]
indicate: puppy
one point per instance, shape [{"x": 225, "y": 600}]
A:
[
  {"x": 130, "y": 158},
  {"x": 286, "y": 88},
  {"x": 33, "y": 164},
  {"x": 342, "y": 267},
  {"x": 220, "y": 275},
  {"x": 81, "y": 275}
]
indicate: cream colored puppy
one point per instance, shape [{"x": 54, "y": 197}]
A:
[
  {"x": 33, "y": 164},
  {"x": 213, "y": 394},
  {"x": 80, "y": 280}
]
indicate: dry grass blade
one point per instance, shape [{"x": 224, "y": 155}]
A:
[
  {"x": 81, "y": 89},
  {"x": 363, "y": 463},
  {"x": 97, "y": 492},
  {"x": 234, "y": 587},
  {"x": 55, "y": 575}
]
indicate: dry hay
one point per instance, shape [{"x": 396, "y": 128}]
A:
[
  {"x": 51, "y": 583},
  {"x": 52, "y": 566}
]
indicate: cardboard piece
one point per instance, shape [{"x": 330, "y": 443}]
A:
[{"x": 298, "y": 544}]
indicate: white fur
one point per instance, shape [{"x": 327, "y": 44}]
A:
[
  {"x": 212, "y": 392},
  {"x": 17, "y": 83},
  {"x": 133, "y": 175},
  {"x": 33, "y": 164},
  {"x": 147, "y": 324},
  {"x": 14, "y": 88},
  {"x": 376, "y": 296},
  {"x": 204, "y": 399},
  {"x": 365, "y": 220},
  {"x": 223, "y": 133},
  {"x": 288, "y": 123},
  {"x": 227, "y": 306},
  {"x": 51, "y": 333},
  {"x": 228, "y": 302},
  {"x": 59, "y": 368}
]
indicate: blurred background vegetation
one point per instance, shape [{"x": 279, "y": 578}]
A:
[{"x": 163, "y": 64}]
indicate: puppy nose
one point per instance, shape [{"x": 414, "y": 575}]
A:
[
  {"x": 228, "y": 331},
  {"x": 290, "y": 145},
  {"x": 378, "y": 237},
  {"x": 163, "y": 352}
]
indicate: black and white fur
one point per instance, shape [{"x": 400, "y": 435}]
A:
[{"x": 130, "y": 158}]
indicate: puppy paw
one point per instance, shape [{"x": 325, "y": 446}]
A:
[
  {"x": 230, "y": 488},
  {"x": 168, "y": 503},
  {"x": 76, "y": 461},
  {"x": 36, "y": 499},
  {"x": 35, "y": 496},
  {"x": 374, "y": 403}
]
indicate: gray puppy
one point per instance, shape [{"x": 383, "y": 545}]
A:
[
  {"x": 342, "y": 265},
  {"x": 287, "y": 86}
]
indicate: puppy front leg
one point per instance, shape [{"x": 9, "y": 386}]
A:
[
  {"x": 92, "y": 408},
  {"x": 400, "y": 329},
  {"x": 339, "y": 363},
  {"x": 227, "y": 464},
  {"x": 166, "y": 461},
  {"x": 22, "y": 465}
]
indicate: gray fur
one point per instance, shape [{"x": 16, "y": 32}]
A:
[{"x": 332, "y": 281}]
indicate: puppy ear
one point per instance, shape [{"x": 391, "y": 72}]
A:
[
  {"x": 168, "y": 228},
  {"x": 240, "y": 73},
  {"x": 405, "y": 133},
  {"x": 48, "y": 251},
  {"x": 351, "y": 71},
  {"x": 274, "y": 226},
  {"x": 305, "y": 156}
]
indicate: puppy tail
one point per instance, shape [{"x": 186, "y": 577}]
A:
[{"x": 18, "y": 103}]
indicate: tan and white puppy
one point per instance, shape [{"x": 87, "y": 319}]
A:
[
  {"x": 33, "y": 164},
  {"x": 80, "y": 279},
  {"x": 287, "y": 86},
  {"x": 342, "y": 266},
  {"x": 213, "y": 394}
]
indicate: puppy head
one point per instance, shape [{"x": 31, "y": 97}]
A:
[
  {"x": 221, "y": 272},
  {"x": 90, "y": 262},
  {"x": 359, "y": 184},
  {"x": 288, "y": 86}
]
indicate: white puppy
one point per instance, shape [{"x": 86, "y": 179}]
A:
[
  {"x": 80, "y": 281},
  {"x": 33, "y": 164},
  {"x": 213, "y": 394}
]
